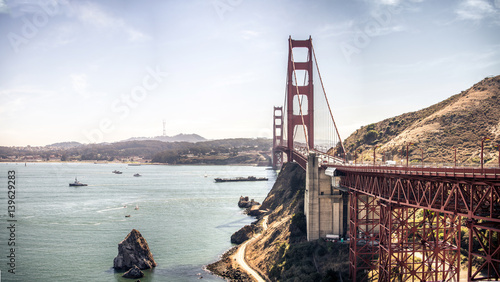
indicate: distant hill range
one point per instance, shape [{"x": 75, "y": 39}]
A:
[
  {"x": 193, "y": 138},
  {"x": 460, "y": 122},
  {"x": 248, "y": 151},
  {"x": 65, "y": 145}
]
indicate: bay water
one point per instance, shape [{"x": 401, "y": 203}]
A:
[{"x": 67, "y": 233}]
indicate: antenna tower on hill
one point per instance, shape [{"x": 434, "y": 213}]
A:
[{"x": 164, "y": 129}]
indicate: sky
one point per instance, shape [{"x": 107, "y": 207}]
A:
[{"x": 104, "y": 71}]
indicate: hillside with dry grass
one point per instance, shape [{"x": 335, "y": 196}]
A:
[{"x": 460, "y": 122}]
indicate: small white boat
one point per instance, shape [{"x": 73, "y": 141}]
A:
[{"x": 136, "y": 207}]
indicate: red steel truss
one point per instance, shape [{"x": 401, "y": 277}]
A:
[
  {"x": 418, "y": 245},
  {"x": 487, "y": 257},
  {"x": 364, "y": 215},
  {"x": 420, "y": 222}
]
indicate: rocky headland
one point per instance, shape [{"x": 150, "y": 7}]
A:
[{"x": 281, "y": 251}]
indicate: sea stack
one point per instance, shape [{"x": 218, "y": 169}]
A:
[
  {"x": 133, "y": 250},
  {"x": 134, "y": 273},
  {"x": 244, "y": 202}
]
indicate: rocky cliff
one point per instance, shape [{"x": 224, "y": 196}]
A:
[{"x": 281, "y": 252}]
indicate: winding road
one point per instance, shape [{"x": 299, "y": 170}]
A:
[{"x": 240, "y": 255}]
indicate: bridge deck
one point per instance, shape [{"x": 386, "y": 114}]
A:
[{"x": 454, "y": 172}]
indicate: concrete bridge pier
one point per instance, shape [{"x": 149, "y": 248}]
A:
[{"x": 325, "y": 204}]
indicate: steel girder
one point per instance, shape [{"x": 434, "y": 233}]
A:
[
  {"x": 364, "y": 215},
  {"x": 471, "y": 198},
  {"x": 478, "y": 200},
  {"x": 418, "y": 245},
  {"x": 486, "y": 256}
]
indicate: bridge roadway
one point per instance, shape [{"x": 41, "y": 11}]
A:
[{"x": 471, "y": 193}]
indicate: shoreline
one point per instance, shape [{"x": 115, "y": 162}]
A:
[
  {"x": 233, "y": 265},
  {"x": 138, "y": 164},
  {"x": 227, "y": 267}
]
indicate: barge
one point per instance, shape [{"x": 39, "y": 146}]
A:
[{"x": 239, "y": 179}]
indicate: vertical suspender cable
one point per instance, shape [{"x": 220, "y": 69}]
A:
[{"x": 326, "y": 98}]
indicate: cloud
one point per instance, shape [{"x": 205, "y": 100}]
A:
[
  {"x": 15, "y": 100},
  {"x": 80, "y": 84},
  {"x": 249, "y": 34},
  {"x": 3, "y": 7},
  {"x": 337, "y": 29},
  {"x": 389, "y": 2},
  {"x": 476, "y": 10},
  {"x": 30, "y": 7},
  {"x": 91, "y": 13}
]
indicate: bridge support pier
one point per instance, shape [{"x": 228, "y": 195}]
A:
[{"x": 323, "y": 204}]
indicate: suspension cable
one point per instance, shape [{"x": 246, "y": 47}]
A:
[
  {"x": 326, "y": 98},
  {"x": 298, "y": 94},
  {"x": 284, "y": 129}
]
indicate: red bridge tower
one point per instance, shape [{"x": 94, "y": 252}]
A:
[{"x": 302, "y": 93}]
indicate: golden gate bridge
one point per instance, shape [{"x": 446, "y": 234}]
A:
[{"x": 404, "y": 223}]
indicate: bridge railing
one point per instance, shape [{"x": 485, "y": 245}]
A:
[
  {"x": 324, "y": 158},
  {"x": 466, "y": 172},
  {"x": 425, "y": 169}
]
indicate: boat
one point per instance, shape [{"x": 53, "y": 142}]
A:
[
  {"x": 134, "y": 164},
  {"x": 238, "y": 179},
  {"x": 136, "y": 207},
  {"x": 77, "y": 183},
  {"x": 128, "y": 215},
  {"x": 137, "y": 175},
  {"x": 117, "y": 172}
]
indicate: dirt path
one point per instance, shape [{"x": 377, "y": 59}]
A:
[{"x": 240, "y": 255}]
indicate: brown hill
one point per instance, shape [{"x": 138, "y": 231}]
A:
[{"x": 460, "y": 122}]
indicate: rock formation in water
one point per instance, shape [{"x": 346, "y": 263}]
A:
[
  {"x": 245, "y": 203},
  {"x": 242, "y": 235},
  {"x": 133, "y": 251},
  {"x": 134, "y": 272}
]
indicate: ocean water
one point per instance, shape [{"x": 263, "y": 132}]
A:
[{"x": 67, "y": 233}]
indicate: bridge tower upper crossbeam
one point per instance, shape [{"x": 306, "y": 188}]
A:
[{"x": 302, "y": 92}]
